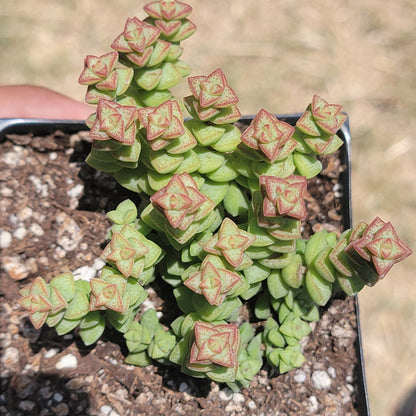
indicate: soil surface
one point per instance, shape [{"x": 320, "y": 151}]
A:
[{"x": 53, "y": 220}]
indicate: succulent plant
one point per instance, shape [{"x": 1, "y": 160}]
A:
[{"x": 219, "y": 217}]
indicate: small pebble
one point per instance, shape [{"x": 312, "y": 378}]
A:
[
  {"x": 84, "y": 273},
  {"x": 5, "y": 239},
  {"x": 57, "y": 397},
  {"x": 313, "y": 404},
  {"x": 76, "y": 383},
  {"x": 53, "y": 155},
  {"x": 15, "y": 269},
  {"x": 233, "y": 407},
  {"x": 251, "y": 405},
  {"x": 105, "y": 410},
  {"x": 332, "y": 372},
  {"x": 20, "y": 233},
  {"x": 350, "y": 388},
  {"x": 66, "y": 362},
  {"x": 98, "y": 264},
  {"x": 25, "y": 213},
  {"x": 321, "y": 380},
  {"x": 300, "y": 376},
  {"x": 61, "y": 409},
  {"x": 27, "y": 405},
  {"x": 10, "y": 357},
  {"x": 51, "y": 353},
  {"x": 40, "y": 188},
  {"x": 36, "y": 229},
  {"x": 238, "y": 398},
  {"x": 75, "y": 191},
  {"x": 183, "y": 387},
  {"x": 225, "y": 394}
]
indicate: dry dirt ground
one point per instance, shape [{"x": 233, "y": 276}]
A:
[{"x": 276, "y": 54}]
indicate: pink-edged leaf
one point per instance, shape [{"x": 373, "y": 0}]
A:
[
  {"x": 168, "y": 9},
  {"x": 97, "y": 68},
  {"x": 227, "y": 115},
  {"x": 168, "y": 28},
  {"x": 110, "y": 83},
  {"x": 331, "y": 126},
  {"x": 202, "y": 331},
  {"x": 249, "y": 138},
  {"x": 174, "y": 202},
  {"x": 227, "y": 98},
  {"x": 194, "y": 84},
  {"x": 193, "y": 282},
  {"x": 140, "y": 59},
  {"x": 58, "y": 302},
  {"x": 307, "y": 125},
  {"x": 186, "y": 30},
  {"x": 39, "y": 287},
  {"x": 270, "y": 150},
  {"x": 269, "y": 208},
  {"x": 321, "y": 110},
  {"x": 38, "y": 319}
]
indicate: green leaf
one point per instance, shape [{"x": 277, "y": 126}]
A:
[
  {"x": 274, "y": 357},
  {"x": 162, "y": 344},
  {"x": 150, "y": 321},
  {"x": 350, "y": 285},
  {"x": 246, "y": 332},
  {"x": 210, "y": 160},
  {"x": 65, "y": 325},
  {"x": 179, "y": 351},
  {"x": 78, "y": 307},
  {"x": 307, "y": 165},
  {"x": 319, "y": 289},
  {"x": 254, "y": 347},
  {"x": 91, "y": 319},
  {"x": 91, "y": 334},
  {"x": 65, "y": 285},
  {"x": 125, "y": 213},
  {"x": 275, "y": 337},
  {"x": 262, "y": 306},
  {"x": 141, "y": 359},
  {"x": 211, "y": 313},
  {"x": 276, "y": 285},
  {"x": 295, "y": 328},
  {"x": 314, "y": 245},
  {"x": 250, "y": 367},
  {"x": 235, "y": 201},
  {"x": 256, "y": 273},
  {"x": 292, "y": 273},
  {"x": 292, "y": 356},
  {"x": 229, "y": 141}
]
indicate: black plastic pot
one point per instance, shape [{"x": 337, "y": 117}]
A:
[{"x": 44, "y": 126}]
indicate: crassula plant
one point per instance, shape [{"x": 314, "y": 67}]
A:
[{"x": 220, "y": 218}]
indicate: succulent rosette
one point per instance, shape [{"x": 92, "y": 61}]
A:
[
  {"x": 212, "y": 99},
  {"x": 378, "y": 246},
  {"x": 231, "y": 242},
  {"x": 180, "y": 209},
  {"x": 213, "y": 280},
  {"x": 214, "y": 350},
  {"x": 113, "y": 129},
  {"x": 279, "y": 206},
  {"x": 139, "y": 43},
  {"x": 268, "y": 138},
  {"x": 170, "y": 16},
  {"x": 103, "y": 79},
  {"x": 318, "y": 125},
  {"x": 165, "y": 128}
]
